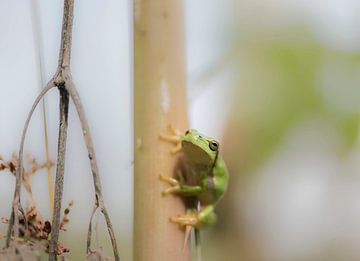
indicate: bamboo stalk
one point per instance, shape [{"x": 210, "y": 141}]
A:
[{"x": 159, "y": 100}]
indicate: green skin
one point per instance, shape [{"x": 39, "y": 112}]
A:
[{"x": 206, "y": 176}]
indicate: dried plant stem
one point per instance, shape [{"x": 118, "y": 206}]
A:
[
  {"x": 99, "y": 201},
  {"x": 60, "y": 166},
  {"x": 14, "y": 219},
  {"x": 159, "y": 100},
  {"x": 38, "y": 45},
  {"x": 49, "y": 174},
  {"x": 63, "y": 81}
]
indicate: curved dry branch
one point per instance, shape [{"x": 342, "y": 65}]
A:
[
  {"x": 14, "y": 219},
  {"x": 70, "y": 87},
  {"x": 99, "y": 202},
  {"x": 88, "y": 240}
]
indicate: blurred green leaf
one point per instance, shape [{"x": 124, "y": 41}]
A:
[{"x": 278, "y": 85}]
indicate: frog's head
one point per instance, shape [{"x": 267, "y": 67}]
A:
[{"x": 199, "y": 148}]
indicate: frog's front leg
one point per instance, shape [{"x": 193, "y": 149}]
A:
[
  {"x": 179, "y": 188},
  {"x": 197, "y": 219},
  {"x": 174, "y": 138}
]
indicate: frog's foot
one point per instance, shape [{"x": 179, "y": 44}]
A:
[
  {"x": 195, "y": 218},
  {"x": 174, "y": 138},
  {"x": 175, "y": 185},
  {"x": 187, "y": 220}
]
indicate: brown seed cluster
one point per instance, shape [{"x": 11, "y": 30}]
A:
[
  {"x": 33, "y": 167},
  {"x": 34, "y": 229},
  {"x": 65, "y": 218}
]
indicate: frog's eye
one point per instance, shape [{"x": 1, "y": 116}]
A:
[
  {"x": 187, "y": 132},
  {"x": 214, "y": 145}
]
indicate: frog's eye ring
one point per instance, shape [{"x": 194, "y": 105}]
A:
[
  {"x": 187, "y": 132},
  {"x": 214, "y": 145}
]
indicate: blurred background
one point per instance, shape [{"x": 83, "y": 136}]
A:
[{"x": 276, "y": 80}]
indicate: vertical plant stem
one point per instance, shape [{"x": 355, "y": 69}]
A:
[
  {"x": 62, "y": 74},
  {"x": 66, "y": 35},
  {"x": 48, "y": 160},
  {"x": 38, "y": 47},
  {"x": 159, "y": 100},
  {"x": 60, "y": 166}
]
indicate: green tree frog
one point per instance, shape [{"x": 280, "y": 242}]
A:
[{"x": 204, "y": 176}]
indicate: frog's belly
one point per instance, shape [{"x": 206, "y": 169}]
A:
[
  {"x": 193, "y": 174},
  {"x": 207, "y": 197}
]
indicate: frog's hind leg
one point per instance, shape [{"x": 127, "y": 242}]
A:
[
  {"x": 189, "y": 219},
  {"x": 196, "y": 219}
]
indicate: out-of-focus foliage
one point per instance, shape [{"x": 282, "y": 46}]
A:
[{"x": 281, "y": 81}]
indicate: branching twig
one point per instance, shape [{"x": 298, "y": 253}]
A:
[{"x": 63, "y": 81}]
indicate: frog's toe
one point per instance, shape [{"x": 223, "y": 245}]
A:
[
  {"x": 175, "y": 185},
  {"x": 170, "y": 190},
  {"x": 170, "y": 180},
  {"x": 174, "y": 138},
  {"x": 176, "y": 149},
  {"x": 173, "y": 130},
  {"x": 189, "y": 219},
  {"x": 170, "y": 138}
]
